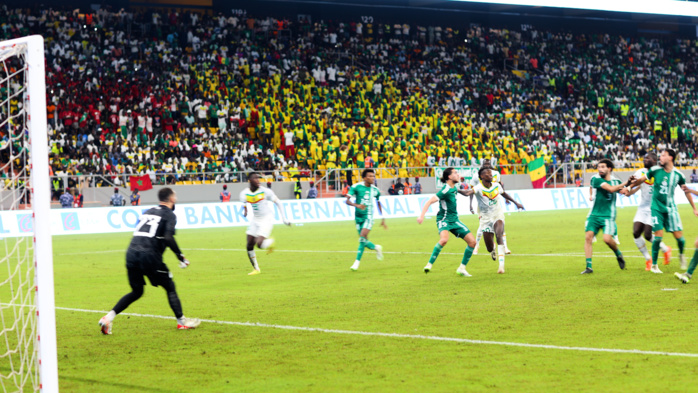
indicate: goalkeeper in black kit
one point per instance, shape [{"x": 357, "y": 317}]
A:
[{"x": 153, "y": 234}]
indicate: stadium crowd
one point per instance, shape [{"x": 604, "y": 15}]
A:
[{"x": 184, "y": 93}]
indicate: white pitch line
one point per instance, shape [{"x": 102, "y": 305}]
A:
[
  {"x": 410, "y": 336},
  {"x": 598, "y": 255}
]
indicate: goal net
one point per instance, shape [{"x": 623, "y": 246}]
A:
[{"x": 28, "y": 359}]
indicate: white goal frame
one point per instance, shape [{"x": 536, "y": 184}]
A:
[{"x": 45, "y": 342}]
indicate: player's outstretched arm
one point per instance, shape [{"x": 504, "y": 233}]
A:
[
  {"x": 631, "y": 191},
  {"x": 637, "y": 181},
  {"x": 430, "y": 202},
  {"x": 469, "y": 192},
  {"x": 688, "y": 191},
  {"x": 509, "y": 198},
  {"x": 278, "y": 204},
  {"x": 610, "y": 188},
  {"x": 380, "y": 211},
  {"x": 472, "y": 211}
]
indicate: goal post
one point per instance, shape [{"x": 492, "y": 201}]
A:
[{"x": 23, "y": 117}]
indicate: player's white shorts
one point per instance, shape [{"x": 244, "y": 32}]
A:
[
  {"x": 260, "y": 228},
  {"x": 644, "y": 215},
  {"x": 487, "y": 223}
]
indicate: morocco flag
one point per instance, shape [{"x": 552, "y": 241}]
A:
[
  {"x": 536, "y": 169},
  {"x": 142, "y": 183}
]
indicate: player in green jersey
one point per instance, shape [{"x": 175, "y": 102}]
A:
[
  {"x": 665, "y": 214},
  {"x": 602, "y": 215},
  {"x": 447, "y": 221},
  {"x": 686, "y": 277},
  {"x": 366, "y": 195}
]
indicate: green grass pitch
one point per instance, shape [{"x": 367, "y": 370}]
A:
[{"x": 542, "y": 299}]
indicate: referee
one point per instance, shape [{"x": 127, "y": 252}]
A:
[{"x": 154, "y": 233}]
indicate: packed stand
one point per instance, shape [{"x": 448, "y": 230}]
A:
[{"x": 183, "y": 94}]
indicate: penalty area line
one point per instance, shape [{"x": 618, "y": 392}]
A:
[{"x": 407, "y": 336}]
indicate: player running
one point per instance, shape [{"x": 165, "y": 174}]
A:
[
  {"x": 665, "y": 214},
  {"x": 447, "y": 221},
  {"x": 366, "y": 195},
  {"x": 262, "y": 222},
  {"x": 154, "y": 233},
  {"x": 602, "y": 215},
  {"x": 474, "y": 181},
  {"x": 686, "y": 277},
  {"x": 642, "y": 223},
  {"x": 490, "y": 196}
]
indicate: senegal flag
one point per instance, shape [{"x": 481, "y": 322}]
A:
[{"x": 536, "y": 169}]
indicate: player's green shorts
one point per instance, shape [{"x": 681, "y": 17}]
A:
[
  {"x": 670, "y": 221},
  {"x": 595, "y": 224},
  {"x": 363, "y": 222},
  {"x": 455, "y": 227}
]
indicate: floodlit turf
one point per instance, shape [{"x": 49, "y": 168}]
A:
[{"x": 542, "y": 299}]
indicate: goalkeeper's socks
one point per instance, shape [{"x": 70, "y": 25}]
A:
[{"x": 110, "y": 316}]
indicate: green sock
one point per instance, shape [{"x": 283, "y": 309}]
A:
[
  {"x": 682, "y": 244},
  {"x": 655, "y": 249},
  {"x": 362, "y": 245},
  {"x": 370, "y": 245},
  {"x": 694, "y": 263},
  {"x": 617, "y": 251},
  {"x": 588, "y": 263},
  {"x": 435, "y": 253},
  {"x": 466, "y": 255}
]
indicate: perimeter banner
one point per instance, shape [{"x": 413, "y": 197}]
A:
[{"x": 16, "y": 223}]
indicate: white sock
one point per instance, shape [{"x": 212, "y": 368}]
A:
[
  {"x": 501, "y": 250},
  {"x": 642, "y": 246},
  {"x": 663, "y": 247},
  {"x": 253, "y": 259},
  {"x": 181, "y": 320},
  {"x": 110, "y": 316},
  {"x": 266, "y": 243},
  {"x": 504, "y": 239}
]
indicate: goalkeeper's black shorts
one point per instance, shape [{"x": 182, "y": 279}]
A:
[{"x": 142, "y": 264}]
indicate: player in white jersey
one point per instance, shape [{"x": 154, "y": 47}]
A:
[
  {"x": 642, "y": 223},
  {"x": 474, "y": 182},
  {"x": 260, "y": 199},
  {"x": 490, "y": 197}
]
